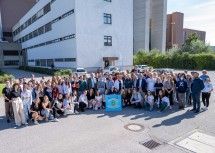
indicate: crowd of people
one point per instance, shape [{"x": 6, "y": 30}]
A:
[{"x": 48, "y": 99}]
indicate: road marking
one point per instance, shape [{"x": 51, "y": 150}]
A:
[{"x": 199, "y": 143}]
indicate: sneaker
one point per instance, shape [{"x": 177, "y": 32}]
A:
[
  {"x": 18, "y": 125},
  {"x": 56, "y": 120},
  {"x": 76, "y": 112},
  {"x": 25, "y": 123},
  {"x": 197, "y": 111},
  {"x": 36, "y": 122}
]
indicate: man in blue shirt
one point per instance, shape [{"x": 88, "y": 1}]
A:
[{"x": 196, "y": 88}]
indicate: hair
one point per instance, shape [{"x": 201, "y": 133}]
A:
[{"x": 15, "y": 84}]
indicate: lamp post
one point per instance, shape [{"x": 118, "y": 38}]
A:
[{"x": 172, "y": 24}]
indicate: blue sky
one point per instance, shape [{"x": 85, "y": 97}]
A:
[{"x": 198, "y": 14}]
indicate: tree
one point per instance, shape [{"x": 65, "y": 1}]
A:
[{"x": 194, "y": 46}]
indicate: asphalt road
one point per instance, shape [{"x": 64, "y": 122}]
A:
[{"x": 104, "y": 132}]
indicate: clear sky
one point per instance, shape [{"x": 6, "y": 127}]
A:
[{"x": 198, "y": 14}]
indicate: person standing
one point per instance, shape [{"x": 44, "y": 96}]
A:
[
  {"x": 27, "y": 100},
  {"x": 91, "y": 82},
  {"x": 204, "y": 76},
  {"x": 169, "y": 87},
  {"x": 8, "y": 104},
  {"x": 17, "y": 103},
  {"x": 109, "y": 83},
  {"x": 206, "y": 93},
  {"x": 196, "y": 88},
  {"x": 119, "y": 84},
  {"x": 182, "y": 88}
]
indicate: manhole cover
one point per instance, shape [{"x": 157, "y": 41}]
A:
[
  {"x": 134, "y": 127},
  {"x": 150, "y": 144}
]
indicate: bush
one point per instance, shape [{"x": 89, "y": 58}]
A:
[
  {"x": 52, "y": 72},
  {"x": 176, "y": 60},
  {"x": 4, "y": 77}
]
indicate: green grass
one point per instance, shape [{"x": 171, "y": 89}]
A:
[{"x": 1, "y": 88}]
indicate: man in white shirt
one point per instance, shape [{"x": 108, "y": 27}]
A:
[
  {"x": 151, "y": 83},
  {"x": 119, "y": 83},
  {"x": 83, "y": 102}
]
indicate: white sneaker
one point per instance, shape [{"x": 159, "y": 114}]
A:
[
  {"x": 36, "y": 122},
  {"x": 170, "y": 107},
  {"x": 204, "y": 108},
  {"x": 56, "y": 120},
  {"x": 76, "y": 112}
]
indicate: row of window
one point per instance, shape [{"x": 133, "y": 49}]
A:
[
  {"x": 11, "y": 63},
  {"x": 50, "y": 62},
  {"x": 34, "y": 18},
  {"x": 44, "y": 29},
  {"x": 52, "y": 41}
]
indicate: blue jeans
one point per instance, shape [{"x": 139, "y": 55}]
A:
[
  {"x": 188, "y": 92},
  {"x": 196, "y": 100}
]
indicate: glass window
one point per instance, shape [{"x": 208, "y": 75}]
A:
[
  {"x": 107, "y": 18},
  {"x": 108, "y": 40}
]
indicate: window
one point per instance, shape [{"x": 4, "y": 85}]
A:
[
  {"x": 50, "y": 62},
  {"x": 43, "y": 62},
  {"x": 59, "y": 60},
  {"x": 37, "y": 62},
  {"x": 108, "y": 40},
  {"x": 70, "y": 59},
  {"x": 47, "y": 8},
  {"x": 10, "y": 53},
  {"x": 107, "y": 18},
  {"x": 40, "y": 14},
  {"x": 107, "y": 0},
  {"x": 41, "y": 30},
  {"x": 34, "y": 18},
  {"x": 48, "y": 27},
  {"x": 35, "y": 33},
  {"x": 13, "y": 62}
]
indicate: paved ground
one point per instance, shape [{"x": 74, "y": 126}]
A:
[{"x": 102, "y": 132}]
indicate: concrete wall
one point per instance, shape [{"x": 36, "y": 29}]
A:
[
  {"x": 91, "y": 30},
  {"x": 159, "y": 19},
  {"x": 141, "y": 25}
]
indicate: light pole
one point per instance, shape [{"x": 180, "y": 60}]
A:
[{"x": 172, "y": 24}]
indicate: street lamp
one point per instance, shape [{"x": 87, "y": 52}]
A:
[{"x": 172, "y": 24}]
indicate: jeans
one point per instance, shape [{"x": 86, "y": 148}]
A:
[
  {"x": 196, "y": 101},
  {"x": 188, "y": 92},
  {"x": 45, "y": 113},
  {"x": 163, "y": 106},
  {"x": 181, "y": 99}
]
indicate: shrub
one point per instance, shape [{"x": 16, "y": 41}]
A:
[
  {"x": 176, "y": 60},
  {"x": 47, "y": 71},
  {"x": 4, "y": 77}
]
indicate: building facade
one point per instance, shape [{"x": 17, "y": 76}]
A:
[
  {"x": 187, "y": 32},
  {"x": 150, "y": 24},
  {"x": 10, "y": 13},
  {"x": 174, "y": 33},
  {"x": 77, "y": 33},
  {"x": 10, "y": 55}
]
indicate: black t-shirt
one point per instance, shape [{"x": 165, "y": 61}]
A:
[
  {"x": 35, "y": 108},
  {"x": 90, "y": 97},
  {"x": 15, "y": 94},
  {"x": 158, "y": 86},
  {"x": 6, "y": 91}
]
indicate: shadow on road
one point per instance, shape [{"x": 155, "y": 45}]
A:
[{"x": 176, "y": 119}]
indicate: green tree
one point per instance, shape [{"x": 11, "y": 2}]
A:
[{"x": 194, "y": 46}]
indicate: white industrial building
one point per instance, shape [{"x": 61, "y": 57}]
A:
[{"x": 77, "y": 33}]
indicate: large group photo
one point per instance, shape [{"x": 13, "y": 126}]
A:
[{"x": 147, "y": 90}]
